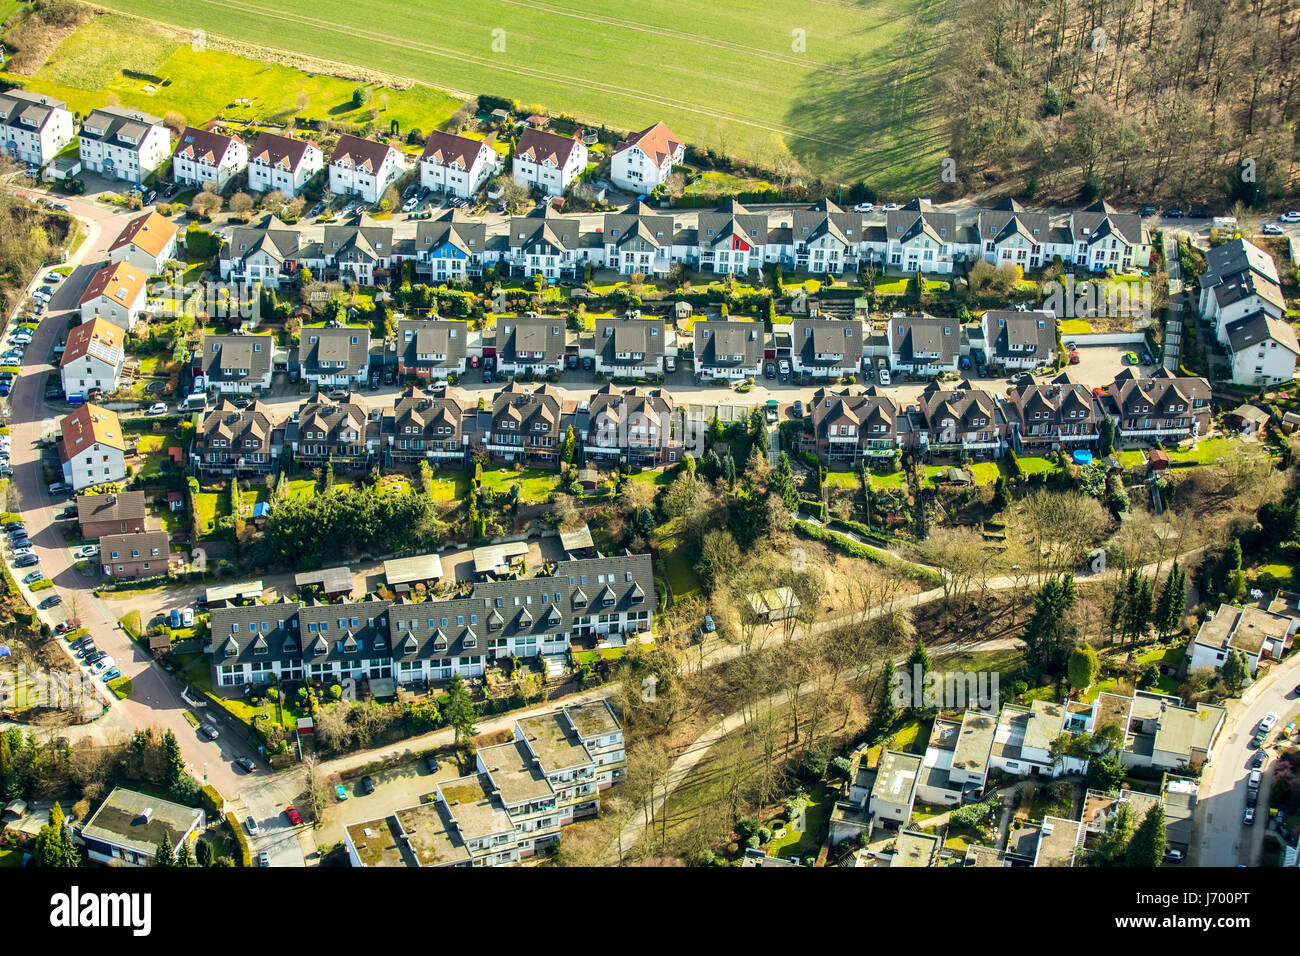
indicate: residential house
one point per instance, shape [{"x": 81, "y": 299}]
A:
[
  {"x": 117, "y": 294},
  {"x": 962, "y": 421},
  {"x": 92, "y": 449},
  {"x": 1262, "y": 349},
  {"x": 141, "y": 554},
  {"x": 531, "y": 344},
  {"x": 267, "y": 252},
  {"x": 338, "y": 433},
  {"x": 646, "y": 159},
  {"x": 451, "y": 246},
  {"x": 431, "y": 348},
  {"x": 128, "y": 827},
  {"x": 1053, "y": 417},
  {"x": 206, "y": 156},
  {"x": 335, "y": 356},
  {"x": 559, "y": 752},
  {"x": 121, "y": 512},
  {"x": 598, "y": 729},
  {"x": 955, "y": 766},
  {"x": 244, "y": 442},
  {"x": 1164, "y": 407},
  {"x": 1024, "y": 737},
  {"x": 235, "y": 364},
  {"x": 527, "y": 426},
  {"x": 282, "y": 164},
  {"x": 854, "y": 423},
  {"x": 629, "y": 346},
  {"x": 825, "y": 238},
  {"x": 924, "y": 345},
  {"x": 1257, "y": 633},
  {"x": 456, "y": 165},
  {"x": 731, "y": 240},
  {"x": 1058, "y": 842},
  {"x": 1019, "y": 340},
  {"x": 430, "y": 426},
  {"x": 33, "y": 128},
  {"x": 548, "y": 162},
  {"x": 148, "y": 242},
  {"x": 1165, "y": 734},
  {"x": 360, "y": 251},
  {"x": 633, "y": 425},
  {"x": 1240, "y": 279},
  {"x": 364, "y": 168},
  {"x": 826, "y": 347},
  {"x": 894, "y": 792},
  {"x": 545, "y": 243},
  {"x": 431, "y": 640},
  {"x": 123, "y": 143},
  {"x": 92, "y": 359},
  {"x": 918, "y": 238},
  {"x": 638, "y": 240},
  {"x": 1107, "y": 239},
  {"x": 728, "y": 348},
  {"x": 1010, "y": 235}
]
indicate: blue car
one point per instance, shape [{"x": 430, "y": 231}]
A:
[
  {"x": 111, "y": 675},
  {"x": 709, "y": 626},
  {"x": 175, "y": 618}
]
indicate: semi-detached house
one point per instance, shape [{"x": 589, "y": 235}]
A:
[
  {"x": 456, "y": 165},
  {"x": 116, "y": 294},
  {"x": 282, "y": 164},
  {"x": 92, "y": 359},
  {"x": 1018, "y": 339},
  {"x": 854, "y": 423},
  {"x": 206, "y": 156},
  {"x": 729, "y": 349},
  {"x": 147, "y": 242},
  {"x": 33, "y": 128},
  {"x": 548, "y": 162},
  {"x": 628, "y": 346},
  {"x": 451, "y": 246},
  {"x": 962, "y": 421},
  {"x": 92, "y": 447},
  {"x": 1242, "y": 298},
  {"x": 142, "y": 554},
  {"x": 123, "y": 144},
  {"x": 364, "y": 168},
  {"x": 431, "y": 349},
  {"x": 826, "y": 347},
  {"x": 235, "y": 364},
  {"x": 924, "y": 345},
  {"x": 244, "y": 442},
  {"x": 335, "y": 356},
  {"x": 266, "y": 252}
]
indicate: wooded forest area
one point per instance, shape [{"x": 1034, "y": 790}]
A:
[{"x": 1183, "y": 100}]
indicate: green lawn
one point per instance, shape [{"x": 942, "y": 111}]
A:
[
  {"x": 893, "y": 480},
  {"x": 10, "y": 859},
  {"x": 1032, "y": 464},
  {"x": 89, "y": 66},
  {"x": 535, "y": 485},
  {"x": 681, "y": 576},
  {"x": 1282, "y": 573},
  {"x": 1132, "y": 458},
  {"x": 1075, "y": 327},
  {"x": 986, "y": 472},
  {"x": 450, "y": 484},
  {"x": 797, "y": 844},
  {"x": 842, "y": 90},
  {"x": 843, "y": 479},
  {"x": 1208, "y": 450}
]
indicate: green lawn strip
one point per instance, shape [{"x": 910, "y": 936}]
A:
[
  {"x": 843, "y": 478},
  {"x": 535, "y": 484},
  {"x": 121, "y": 687}
]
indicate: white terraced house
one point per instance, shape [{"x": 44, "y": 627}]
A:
[
  {"x": 456, "y": 165},
  {"x": 919, "y": 238},
  {"x": 124, "y": 144},
  {"x": 646, "y": 159},
  {"x": 364, "y": 168},
  {"x": 548, "y": 162},
  {"x": 282, "y": 163},
  {"x": 33, "y": 128},
  {"x": 203, "y": 156}
]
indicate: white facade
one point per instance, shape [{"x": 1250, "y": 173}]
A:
[
  {"x": 543, "y": 171},
  {"x": 454, "y": 172},
  {"x": 203, "y": 157},
  {"x": 124, "y": 144},
  {"x": 646, "y": 160},
  {"x": 279, "y": 163},
  {"x": 33, "y": 128},
  {"x": 91, "y": 372},
  {"x": 364, "y": 168}
]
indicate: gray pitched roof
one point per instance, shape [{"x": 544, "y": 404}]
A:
[
  {"x": 237, "y": 358},
  {"x": 335, "y": 351},
  {"x": 723, "y": 343}
]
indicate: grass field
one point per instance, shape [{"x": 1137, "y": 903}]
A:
[
  {"x": 88, "y": 67},
  {"x": 841, "y": 88}
]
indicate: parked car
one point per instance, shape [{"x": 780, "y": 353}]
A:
[
  {"x": 263, "y": 859},
  {"x": 208, "y": 731},
  {"x": 1131, "y": 358},
  {"x": 1271, "y": 229},
  {"x": 1257, "y": 741},
  {"x": 174, "y": 619},
  {"x": 1252, "y": 797},
  {"x": 1199, "y": 214},
  {"x": 1258, "y": 759},
  {"x": 882, "y": 376},
  {"x": 889, "y": 206},
  {"x": 1074, "y": 356},
  {"x": 1148, "y": 211},
  {"x": 59, "y": 488},
  {"x": 864, "y": 207},
  {"x": 670, "y": 363},
  {"x": 1255, "y": 777},
  {"x": 102, "y": 665},
  {"x": 10, "y": 525},
  {"x": 23, "y": 552},
  {"x": 294, "y": 816},
  {"x": 1174, "y": 855},
  {"x": 1266, "y": 724},
  {"x": 341, "y": 792},
  {"x": 1249, "y": 818},
  {"x": 245, "y": 764},
  {"x": 93, "y": 656},
  {"x": 1147, "y": 359},
  {"x": 112, "y": 674},
  {"x": 26, "y": 560},
  {"x": 158, "y": 408},
  {"x": 69, "y": 512},
  {"x": 410, "y": 204},
  {"x": 187, "y": 617},
  {"x": 368, "y": 784},
  {"x": 86, "y": 551},
  {"x": 770, "y": 370},
  {"x": 251, "y": 825},
  {"x": 1293, "y": 216},
  {"x": 1173, "y": 214},
  {"x": 709, "y": 625},
  {"x": 33, "y": 577},
  {"x": 797, "y": 409},
  {"x": 431, "y": 762}
]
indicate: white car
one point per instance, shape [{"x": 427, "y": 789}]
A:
[
  {"x": 864, "y": 207},
  {"x": 21, "y": 552},
  {"x": 410, "y": 204},
  {"x": 889, "y": 206},
  {"x": 1292, "y": 216},
  {"x": 1267, "y": 723},
  {"x": 158, "y": 408},
  {"x": 87, "y": 551},
  {"x": 103, "y": 664},
  {"x": 187, "y": 617},
  {"x": 1272, "y": 229},
  {"x": 882, "y": 376},
  {"x": 24, "y": 337}
]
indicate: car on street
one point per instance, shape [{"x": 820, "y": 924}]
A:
[
  {"x": 86, "y": 551},
  {"x": 251, "y": 825},
  {"x": 1258, "y": 740},
  {"x": 1292, "y": 216},
  {"x": 1148, "y": 211},
  {"x": 1249, "y": 817},
  {"x": 245, "y": 764},
  {"x": 208, "y": 731},
  {"x": 864, "y": 207},
  {"x": 294, "y": 816},
  {"x": 26, "y": 560},
  {"x": 1074, "y": 356},
  {"x": 1252, "y": 797},
  {"x": 263, "y": 859},
  {"x": 1272, "y": 229},
  {"x": 23, "y": 552},
  {"x": 431, "y": 762},
  {"x": 341, "y": 792},
  {"x": 33, "y": 577},
  {"x": 1258, "y": 759},
  {"x": 110, "y": 675},
  {"x": 1173, "y": 214},
  {"x": 1255, "y": 777},
  {"x": 158, "y": 408},
  {"x": 92, "y": 655},
  {"x": 1131, "y": 358},
  {"x": 368, "y": 784},
  {"x": 1267, "y": 723},
  {"x": 59, "y": 488},
  {"x": 103, "y": 664},
  {"x": 890, "y": 207},
  {"x": 1199, "y": 214},
  {"x": 410, "y": 205}
]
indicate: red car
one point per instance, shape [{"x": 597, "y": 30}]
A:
[
  {"x": 294, "y": 816},
  {"x": 1074, "y": 356}
]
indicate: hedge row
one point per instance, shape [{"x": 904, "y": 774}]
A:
[
  {"x": 858, "y": 528},
  {"x": 814, "y": 508},
  {"x": 855, "y": 550},
  {"x": 245, "y": 853}
]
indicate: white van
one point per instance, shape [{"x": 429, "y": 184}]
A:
[
  {"x": 194, "y": 402},
  {"x": 1224, "y": 222}
]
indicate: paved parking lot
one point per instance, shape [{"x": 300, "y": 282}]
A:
[{"x": 395, "y": 789}]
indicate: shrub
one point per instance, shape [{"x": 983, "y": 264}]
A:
[{"x": 245, "y": 853}]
